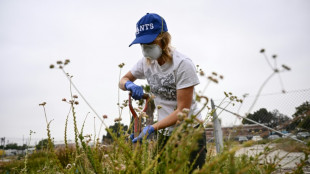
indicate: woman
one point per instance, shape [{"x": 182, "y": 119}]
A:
[{"x": 170, "y": 74}]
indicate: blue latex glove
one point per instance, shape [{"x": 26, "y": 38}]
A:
[
  {"x": 147, "y": 131},
  {"x": 132, "y": 136},
  {"x": 136, "y": 91}
]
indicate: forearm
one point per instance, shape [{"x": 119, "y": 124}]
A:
[
  {"x": 184, "y": 100},
  {"x": 124, "y": 79},
  {"x": 167, "y": 121},
  {"x": 122, "y": 82}
]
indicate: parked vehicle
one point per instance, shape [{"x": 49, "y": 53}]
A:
[
  {"x": 273, "y": 137},
  {"x": 242, "y": 139},
  {"x": 289, "y": 135},
  {"x": 303, "y": 135},
  {"x": 257, "y": 138}
]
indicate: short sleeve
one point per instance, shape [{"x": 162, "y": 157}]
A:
[
  {"x": 186, "y": 75},
  {"x": 138, "y": 70}
]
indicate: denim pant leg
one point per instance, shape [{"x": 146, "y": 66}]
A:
[{"x": 201, "y": 152}]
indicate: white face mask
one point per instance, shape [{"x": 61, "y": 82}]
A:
[{"x": 152, "y": 51}]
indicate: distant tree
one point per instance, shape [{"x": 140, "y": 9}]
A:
[
  {"x": 42, "y": 144},
  {"x": 15, "y": 146},
  {"x": 302, "y": 110},
  {"x": 260, "y": 116},
  {"x": 11, "y": 146},
  {"x": 301, "y": 118},
  {"x": 280, "y": 120},
  {"x": 116, "y": 129},
  {"x": 270, "y": 119},
  {"x": 23, "y": 147}
]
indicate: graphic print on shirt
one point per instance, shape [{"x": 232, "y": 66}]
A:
[{"x": 162, "y": 85}]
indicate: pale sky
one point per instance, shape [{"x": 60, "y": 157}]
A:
[{"x": 222, "y": 36}]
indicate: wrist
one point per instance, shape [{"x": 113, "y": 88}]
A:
[
  {"x": 151, "y": 129},
  {"x": 154, "y": 127},
  {"x": 126, "y": 85}
]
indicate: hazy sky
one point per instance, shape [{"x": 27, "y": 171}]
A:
[{"x": 223, "y": 36}]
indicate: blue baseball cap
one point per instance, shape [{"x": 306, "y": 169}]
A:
[{"x": 148, "y": 28}]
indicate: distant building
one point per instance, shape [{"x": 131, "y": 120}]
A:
[
  {"x": 242, "y": 130},
  {"x": 14, "y": 152}
]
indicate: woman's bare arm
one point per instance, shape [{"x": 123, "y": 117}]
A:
[
  {"x": 184, "y": 100},
  {"x": 124, "y": 79}
]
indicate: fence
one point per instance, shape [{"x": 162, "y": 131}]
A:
[{"x": 275, "y": 116}]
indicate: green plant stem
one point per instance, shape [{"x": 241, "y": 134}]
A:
[
  {"x": 65, "y": 136},
  {"x": 259, "y": 91},
  {"x": 207, "y": 85},
  {"x": 75, "y": 130}
]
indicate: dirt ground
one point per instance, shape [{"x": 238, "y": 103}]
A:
[{"x": 286, "y": 161}]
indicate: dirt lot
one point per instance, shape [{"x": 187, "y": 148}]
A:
[{"x": 286, "y": 161}]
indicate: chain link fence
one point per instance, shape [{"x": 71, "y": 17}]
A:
[{"x": 280, "y": 121}]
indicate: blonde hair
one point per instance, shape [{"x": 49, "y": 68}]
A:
[{"x": 164, "y": 39}]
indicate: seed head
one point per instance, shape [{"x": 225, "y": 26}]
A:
[
  {"x": 215, "y": 81},
  {"x": 159, "y": 107},
  {"x": 59, "y": 62},
  {"x": 262, "y": 50},
  {"x": 68, "y": 166},
  {"x": 201, "y": 73},
  {"x": 185, "y": 110},
  {"x": 121, "y": 65},
  {"x": 214, "y": 73},
  {"x": 76, "y": 102},
  {"x": 274, "y": 56},
  {"x": 181, "y": 116},
  {"x": 123, "y": 167},
  {"x": 52, "y": 66},
  {"x": 117, "y": 119},
  {"x": 221, "y": 77},
  {"x": 286, "y": 67},
  {"x": 64, "y": 99},
  {"x": 75, "y": 96},
  {"x": 67, "y": 61},
  {"x": 105, "y": 116},
  {"x": 42, "y": 104}
]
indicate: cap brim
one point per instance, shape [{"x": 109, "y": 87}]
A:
[{"x": 144, "y": 39}]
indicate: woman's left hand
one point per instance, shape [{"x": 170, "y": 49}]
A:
[{"x": 147, "y": 131}]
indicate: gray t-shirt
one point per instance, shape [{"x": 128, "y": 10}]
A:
[{"x": 165, "y": 80}]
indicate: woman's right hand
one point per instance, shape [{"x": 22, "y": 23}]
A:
[{"x": 136, "y": 91}]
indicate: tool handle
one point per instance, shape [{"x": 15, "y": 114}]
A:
[
  {"x": 145, "y": 96},
  {"x": 137, "y": 119}
]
